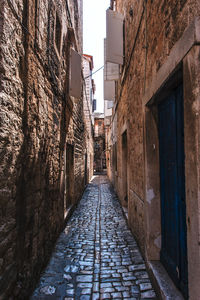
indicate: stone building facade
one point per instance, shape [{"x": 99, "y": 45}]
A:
[
  {"x": 99, "y": 143},
  {"x": 88, "y": 100},
  {"x": 42, "y": 135},
  {"x": 159, "y": 79}
]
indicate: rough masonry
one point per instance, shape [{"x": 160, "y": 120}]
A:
[{"x": 39, "y": 126}]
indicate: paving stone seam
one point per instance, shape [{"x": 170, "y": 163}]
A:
[{"x": 108, "y": 267}]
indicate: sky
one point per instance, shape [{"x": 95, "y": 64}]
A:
[{"x": 94, "y": 32}]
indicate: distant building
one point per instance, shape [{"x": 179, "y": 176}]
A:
[
  {"x": 99, "y": 143},
  {"x": 88, "y": 106}
]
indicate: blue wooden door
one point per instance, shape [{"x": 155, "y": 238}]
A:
[{"x": 172, "y": 184}]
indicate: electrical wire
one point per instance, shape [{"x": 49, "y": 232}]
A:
[{"x": 94, "y": 72}]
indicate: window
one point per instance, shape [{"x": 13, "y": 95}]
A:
[
  {"x": 38, "y": 25},
  {"x": 58, "y": 33},
  {"x": 111, "y": 71},
  {"x": 94, "y": 107},
  {"x": 75, "y": 89},
  {"x": 114, "y": 157},
  {"x": 36, "y": 20},
  {"x": 110, "y": 104},
  {"x": 109, "y": 90}
]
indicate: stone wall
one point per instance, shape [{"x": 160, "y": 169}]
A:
[
  {"x": 161, "y": 48},
  {"x": 151, "y": 31},
  {"x": 37, "y": 118}
]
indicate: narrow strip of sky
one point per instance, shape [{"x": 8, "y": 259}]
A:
[{"x": 94, "y": 32}]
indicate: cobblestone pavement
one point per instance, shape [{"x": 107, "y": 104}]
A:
[{"x": 96, "y": 256}]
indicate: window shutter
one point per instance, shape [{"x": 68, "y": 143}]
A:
[
  {"x": 109, "y": 90},
  {"x": 111, "y": 71},
  {"x": 114, "y": 35},
  {"x": 75, "y": 86},
  {"x": 108, "y": 105}
]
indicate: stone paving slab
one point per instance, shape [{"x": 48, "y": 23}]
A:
[{"x": 96, "y": 256}]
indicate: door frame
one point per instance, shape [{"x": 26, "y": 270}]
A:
[
  {"x": 124, "y": 138},
  {"x": 176, "y": 265},
  {"x": 68, "y": 177},
  {"x": 187, "y": 72},
  {"x": 184, "y": 56},
  {"x": 153, "y": 238}
]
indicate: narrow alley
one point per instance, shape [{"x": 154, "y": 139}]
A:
[
  {"x": 96, "y": 256},
  {"x": 99, "y": 149}
]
